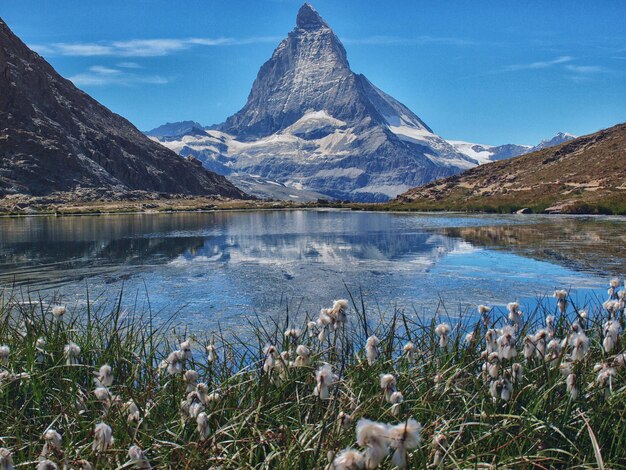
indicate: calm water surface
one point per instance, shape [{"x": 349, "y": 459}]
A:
[{"x": 210, "y": 267}]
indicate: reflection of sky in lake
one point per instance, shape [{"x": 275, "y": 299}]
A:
[{"x": 220, "y": 266}]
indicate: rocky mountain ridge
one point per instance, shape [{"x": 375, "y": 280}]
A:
[{"x": 56, "y": 138}]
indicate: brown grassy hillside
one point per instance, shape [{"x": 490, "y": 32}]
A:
[{"x": 585, "y": 175}]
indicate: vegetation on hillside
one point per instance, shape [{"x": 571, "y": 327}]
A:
[{"x": 582, "y": 176}]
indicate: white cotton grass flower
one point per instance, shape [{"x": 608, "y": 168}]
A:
[
  {"x": 202, "y": 425},
  {"x": 469, "y": 338},
  {"x": 58, "y": 311},
  {"x": 282, "y": 364},
  {"x": 580, "y": 346},
  {"x": 515, "y": 315},
  {"x": 202, "y": 389},
  {"x": 325, "y": 378},
  {"x": 349, "y": 459},
  {"x": 72, "y": 353},
  {"x": 440, "y": 442},
  {"x": 4, "y": 354},
  {"x": 40, "y": 349},
  {"x": 507, "y": 388},
  {"x": 500, "y": 389},
  {"x": 323, "y": 322},
  {"x": 409, "y": 351},
  {"x": 612, "y": 306},
  {"x": 84, "y": 464},
  {"x": 512, "y": 307},
  {"x": 185, "y": 348},
  {"x": 196, "y": 406},
  {"x": 492, "y": 366},
  {"x": 191, "y": 380},
  {"x": 541, "y": 343},
  {"x": 138, "y": 458},
  {"x": 103, "y": 395},
  {"x": 371, "y": 349},
  {"x": 396, "y": 399},
  {"x": 52, "y": 442},
  {"x": 102, "y": 437},
  {"x": 561, "y": 299},
  {"x": 506, "y": 343},
  {"x": 388, "y": 385},
  {"x": 173, "y": 363},
  {"x": 553, "y": 350},
  {"x": 312, "y": 328},
  {"x": 483, "y": 311},
  {"x": 211, "y": 353},
  {"x": 605, "y": 377},
  {"x": 570, "y": 386},
  {"x": 491, "y": 341},
  {"x": 611, "y": 331},
  {"x": 338, "y": 312},
  {"x": 345, "y": 420},
  {"x": 302, "y": 356},
  {"x": 613, "y": 286},
  {"x": 437, "y": 381},
  {"x": 47, "y": 465},
  {"x": 104, "y": 376},
  {"x": 132, "y": 412},
  {"x": 6, "y": 459},
  {"x": 293, "y": 333},
  {"x": 566, "y": 368},
  {"x": 331, "y": 318},
  {"x": 271, "y": 356},
  {"x": 183, "y": 409},
  {"x": 373, "y": 436},
  {"x": 213, "y": 397},
  {"x": 529, "y": 347},
  {"x": 403, "y": 437},
  {"x": 443, "y": 330}
]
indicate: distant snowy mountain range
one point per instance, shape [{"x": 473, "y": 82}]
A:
[
  {"x": 313, "y": 128},
  {"x": 489, "y": 153}
]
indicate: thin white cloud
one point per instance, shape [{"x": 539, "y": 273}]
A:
[
  {"x": 540, "y": 64},
  {"x": 141, "y": 47},
  {"x": 99, "y": 69},
  {"x": 99, "y": 75},
  {"x": 129, "y": 65},
  {"x": 586, "y": 69}
]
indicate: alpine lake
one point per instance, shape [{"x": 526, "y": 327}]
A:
[{"x": 204, "y": 269}]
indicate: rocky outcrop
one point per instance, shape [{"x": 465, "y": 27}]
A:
[{"x": 54, "y": 137}]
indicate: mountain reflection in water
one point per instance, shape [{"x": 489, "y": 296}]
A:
[{"x": 221, "y": 265}]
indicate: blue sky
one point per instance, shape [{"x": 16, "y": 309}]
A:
[{"x": 485, "y": 71}]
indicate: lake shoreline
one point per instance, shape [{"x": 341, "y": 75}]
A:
[{"x": 12, "y": 207}]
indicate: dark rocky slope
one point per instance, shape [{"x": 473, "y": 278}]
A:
[{"x": 54, "y": 137}]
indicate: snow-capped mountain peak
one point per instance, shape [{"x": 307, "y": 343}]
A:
[
  {"x": 310, "y": 122},
  {"x": 558, "y": 139}
]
